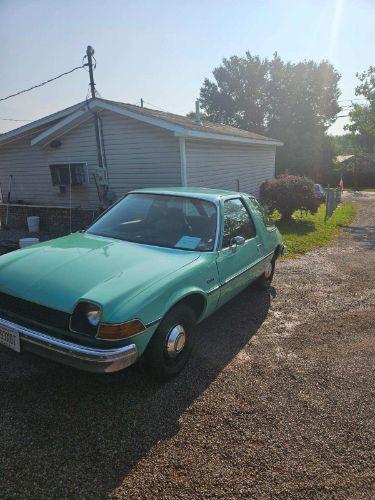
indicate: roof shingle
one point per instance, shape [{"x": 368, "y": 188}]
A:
[{"x": 189, "y": 123}]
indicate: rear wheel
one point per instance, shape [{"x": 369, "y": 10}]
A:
[{"x": 170, "y": 347}]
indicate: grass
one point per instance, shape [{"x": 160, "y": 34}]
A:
[
  {"x": 306, "y": 232},
  {"x": 369, "y": 190}
]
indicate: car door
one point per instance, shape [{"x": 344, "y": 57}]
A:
[{"x": 236, "y": 258}]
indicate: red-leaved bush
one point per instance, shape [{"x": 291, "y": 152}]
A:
[{"x": 289, "y": 193}]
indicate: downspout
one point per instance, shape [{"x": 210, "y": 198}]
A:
[{"x": 182, "y": 142}]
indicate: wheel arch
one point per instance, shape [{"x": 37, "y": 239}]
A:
[{"x": 197, "y": 300}]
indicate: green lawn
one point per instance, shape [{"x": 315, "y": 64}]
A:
[{"x": 307, "y": 232}]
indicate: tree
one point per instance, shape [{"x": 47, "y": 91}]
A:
[
  {"x": 295, "y": 103},
  {"x": 346, "y": 144},
  {"x": 362, "y": 116}
]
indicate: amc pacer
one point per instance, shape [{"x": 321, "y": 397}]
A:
[{"x": 137, "y": 281}]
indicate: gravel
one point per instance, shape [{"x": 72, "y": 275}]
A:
[{"x": 278, "y": 400}]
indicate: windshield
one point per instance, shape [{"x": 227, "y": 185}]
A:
[{"x": 161, "y": 220}]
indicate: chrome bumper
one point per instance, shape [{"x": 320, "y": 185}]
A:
[
  {"x": 69, "y": 353},
  {"x": 282, "y": 250}
]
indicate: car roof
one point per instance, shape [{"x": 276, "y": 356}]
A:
[{"x": 202, "y": 193}]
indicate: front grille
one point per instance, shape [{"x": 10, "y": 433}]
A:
[{"x": 26, "y": 313}]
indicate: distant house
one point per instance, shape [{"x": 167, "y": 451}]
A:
[
  {"x": 140, "y": 147},
  {"x": 343, "y": 158},
  {"x": 365, "y": 157}
]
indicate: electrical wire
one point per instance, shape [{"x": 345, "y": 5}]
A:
[
  {"x": 14, "y": 120},
  {"x": 155, "y": 106},
  {"x": 353, "y": 99},
  {"x": 43, "y": 83}
]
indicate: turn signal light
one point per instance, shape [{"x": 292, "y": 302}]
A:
[{"x": 121, "y": 331}]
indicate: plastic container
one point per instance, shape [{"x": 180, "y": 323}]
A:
[
  {"x": 27, "y": 242},
  {"x": 33, "y": 223}
]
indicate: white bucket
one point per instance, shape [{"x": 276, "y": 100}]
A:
[
  {"x": 33, "y": 223},
  {"x": 27, "y": 242}
]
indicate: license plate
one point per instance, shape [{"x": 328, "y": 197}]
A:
[{"x": 10, "y": 338}]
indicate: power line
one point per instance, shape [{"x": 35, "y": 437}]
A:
[
  {"x": 155, "y": 106},
  {"x": 43, "y": 83},
  {"x": 14, "y": 120},
  {"x": 158, "y": 108},
  {"x": 353, "y": 99}
]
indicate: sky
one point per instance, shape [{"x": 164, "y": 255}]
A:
[{"x": 162, "y": 50}]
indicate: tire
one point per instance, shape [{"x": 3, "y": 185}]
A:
[
  {"x": 263, "y": 282},
  {"x": 170, "y": 347}
]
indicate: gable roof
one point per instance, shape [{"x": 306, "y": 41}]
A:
[
  {"x": 182, "y": 126},
  {"x": 39, "y": 124}
]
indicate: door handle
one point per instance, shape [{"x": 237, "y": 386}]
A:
[{"x": 259, "y": 247}]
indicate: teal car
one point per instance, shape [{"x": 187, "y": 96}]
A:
[{"x": 135, "y": 283}]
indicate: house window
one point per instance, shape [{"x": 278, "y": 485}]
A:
[{"x": 64, "y": 174}]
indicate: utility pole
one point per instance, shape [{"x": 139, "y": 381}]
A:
[{"x": 89, "y": 53}]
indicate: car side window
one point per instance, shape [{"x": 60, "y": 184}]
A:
[
  {"x": 237, "y": 221},
  {"x": 263, "y": 212}
]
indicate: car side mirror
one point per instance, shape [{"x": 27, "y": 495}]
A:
[{"x": 237, "y": 240}]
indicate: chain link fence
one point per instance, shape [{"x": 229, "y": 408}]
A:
[{"x": 333, "y": 199}]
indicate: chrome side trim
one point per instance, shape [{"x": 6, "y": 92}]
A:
[
  {"x": 152, "y": 323},
  {"x": 214, "y": 289},
  {"x": 247, "y": 269},
  {"x": 238, "y": 274},
  {"x": 70, "y": 353}
]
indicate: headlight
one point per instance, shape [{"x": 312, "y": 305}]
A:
[
  {"x": 86, "y": 318},
  {"x": 93, "y": 313}
]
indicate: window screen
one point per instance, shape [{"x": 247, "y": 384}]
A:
[
  {"x": 237, "y": 221},
  {"x": 61, "y": 175}
]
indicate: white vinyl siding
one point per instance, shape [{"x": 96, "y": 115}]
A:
[
  {"x": 138, "y": 155},
  {"x": 218, "y": 165},
  {"x": 29, "y": 166}
]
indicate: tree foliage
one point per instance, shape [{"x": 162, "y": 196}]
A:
[
  {"x": 293, "y": 102},
  {"x": 289, "y": 193},
  {"x": 362, "y": 116},
  {"x": 346, "y": 144}
]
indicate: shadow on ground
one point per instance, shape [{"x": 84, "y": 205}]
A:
[
  {"x": 69, "y": 433},
  {"x": 365, "y": 235},
  {"x": 296, "y": 226}
]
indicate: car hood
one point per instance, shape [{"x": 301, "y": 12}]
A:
[{"x": 59, "y": 272}]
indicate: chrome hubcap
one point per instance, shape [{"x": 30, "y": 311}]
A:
[
  {"x": 176, "y": 341},
  {"x": 268, "y": 270}
]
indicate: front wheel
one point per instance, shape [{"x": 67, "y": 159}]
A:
[
  {"x": 170, "y": 347},
  {"x": 265, "y": 280}
]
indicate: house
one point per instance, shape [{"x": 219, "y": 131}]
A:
[{"x": 54, "y": 163}]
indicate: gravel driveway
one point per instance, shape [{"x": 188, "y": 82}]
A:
[{"x": 277, "y": 402}]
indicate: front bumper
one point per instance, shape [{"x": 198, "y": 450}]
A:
[{"x": 72, "y": 354}]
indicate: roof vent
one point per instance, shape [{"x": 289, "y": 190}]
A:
[{"x": 197, "y": 113}]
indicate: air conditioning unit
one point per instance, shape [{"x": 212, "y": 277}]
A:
[{"x": 66, "y": 174}]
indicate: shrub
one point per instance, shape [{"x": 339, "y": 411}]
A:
[{"x": 289, "y": 193}]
